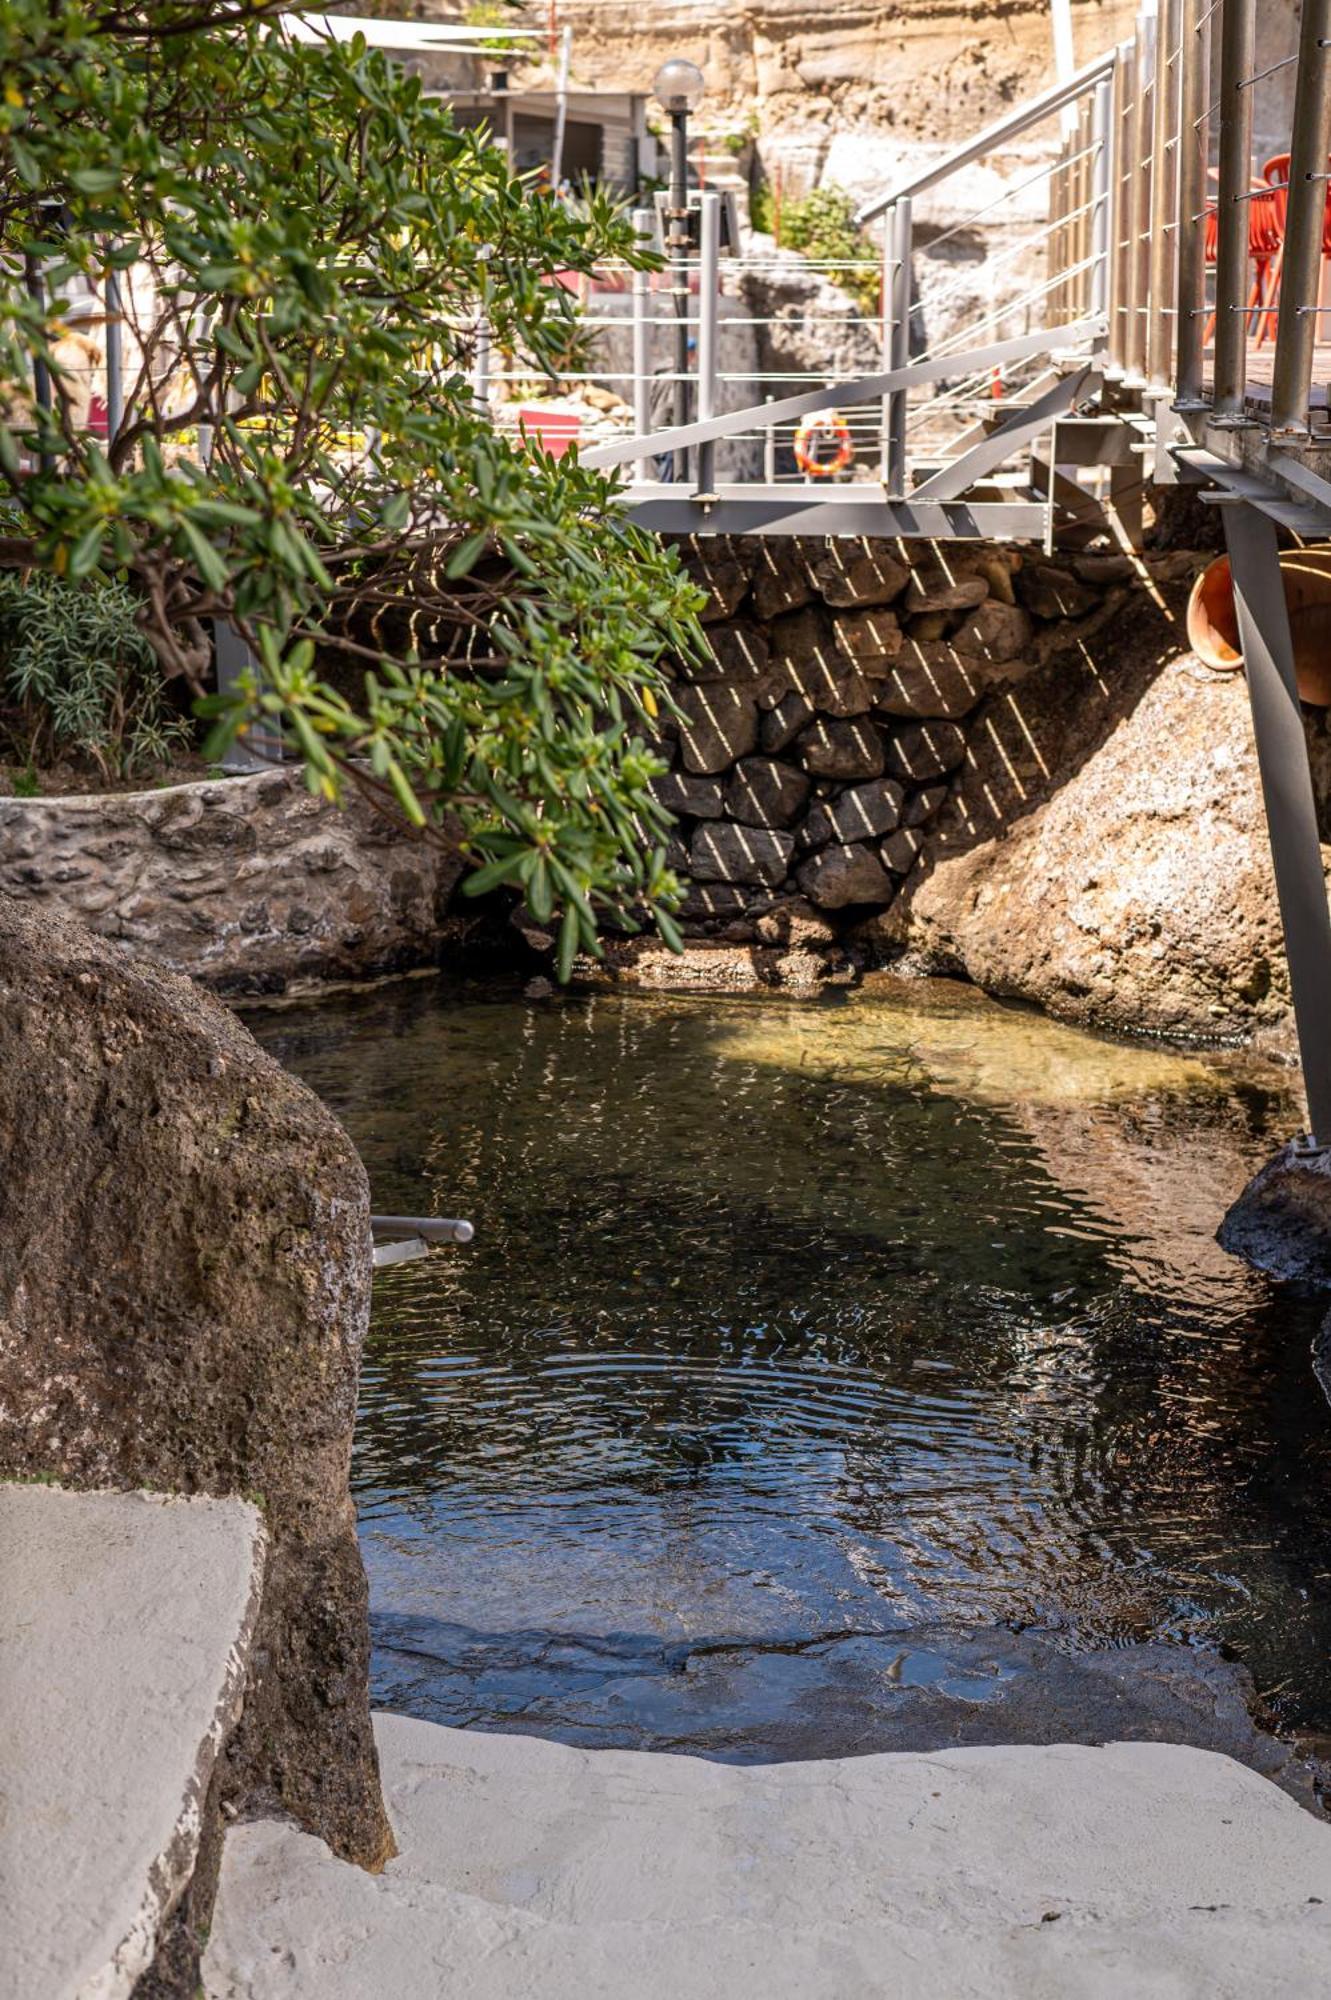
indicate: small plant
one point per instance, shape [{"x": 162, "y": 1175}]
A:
[
  {"x": 494, "y": 14},
  {"x": 27, "y": 785},
  {"x": 78, "y": 678},
  {"x": 822, "y": 225}
]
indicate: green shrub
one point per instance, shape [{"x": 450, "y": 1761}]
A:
[
  {"x": 78, "y": 678},
  {"x": 822, "y": 226}
]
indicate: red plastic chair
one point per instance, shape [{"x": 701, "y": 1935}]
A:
[
  {"x": 1275, "y": 175},
  {"x": 1266, "y": 237}
]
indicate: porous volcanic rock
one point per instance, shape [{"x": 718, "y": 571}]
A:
[
  {"x": 1281, "y": 1223},
  {"x": 929, "y": 680},
  {"x": 857, "y": 572},
  {"x": 944, "y": 587},
  {"x": 837, "y": 876},
  {"x": 184, "y": 1290},
  {"x": 763, "y": 792},
  {"x": 841, "y": 750},
  {"x": 1104, "y": 850},
  {"x": 926, "y": 750},
  {"x": 740, "y": 651},
  {"x": 859, "y": 813},
  {"x": 700, "y": 798},
  {"x": 720, "y": 725},
  {"x": 725, "y": 853},
  {"x": 781, "y": 580}
]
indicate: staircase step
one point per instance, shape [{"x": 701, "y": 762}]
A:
[
  {"x": 123, "y": 1650},
  {"x": 529, "y": 1868}
]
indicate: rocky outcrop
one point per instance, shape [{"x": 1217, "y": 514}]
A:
[
  {"x": 184, "y": 1288},
  {"x": 248, "y": 884},
  {"x": 1103, "y": 851}
]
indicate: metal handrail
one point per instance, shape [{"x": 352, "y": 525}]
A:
[{"x": 1033, "y": 112}]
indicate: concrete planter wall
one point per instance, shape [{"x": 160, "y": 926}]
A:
[{"x": 247, "y": 884}]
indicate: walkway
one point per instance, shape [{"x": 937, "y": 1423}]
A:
[{"x": 528, "y": 1868}]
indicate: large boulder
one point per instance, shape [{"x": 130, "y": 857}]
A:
[
  {"x": 1104, "y": 850},
  {"x": 184, "y": 1289}
]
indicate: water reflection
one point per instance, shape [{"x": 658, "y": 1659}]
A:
[{"x": 796, "y": 1328}]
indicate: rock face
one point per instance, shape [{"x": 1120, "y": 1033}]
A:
[
  {"x": 249, "y": 884},
  {"x": 1104, "y": 849},
  {"x": 184, "y": 1288}
]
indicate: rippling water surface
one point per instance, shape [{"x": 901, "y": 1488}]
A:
[{"x": 806, "y": 1352}]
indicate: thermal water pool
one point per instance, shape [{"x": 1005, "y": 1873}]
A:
[{"x": 824, "y": 1375}]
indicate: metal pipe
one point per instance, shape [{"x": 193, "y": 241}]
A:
[
  {"x": 1287, "y": 788},
  {"x": 1102, "y": 125},
  {"x": 1238, "y": 25},
  {"x": 1140, "y": 255},
  {"x": 1190, "y": 207},
  {"x": 1164, "y": 128},
  {"x": 430, "y": 1228},
  {"x": 1300, "y": 277},
  {"x": 902, "y": 235},
  {"x": 886, "y": 341},
  {"x": 677, "y": 243},
  {"x": 642, "y": 369},
  {"x": 115, "y": 370},
  {"x": 561, "y": 110},
  {"x": 709, "y": 286},
  {"x": 992, "y": 137}
]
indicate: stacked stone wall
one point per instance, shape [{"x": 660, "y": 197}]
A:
[{"x": 818, "y": 743}]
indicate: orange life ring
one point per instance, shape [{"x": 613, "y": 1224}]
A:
[{"x": 829, "y": 427}]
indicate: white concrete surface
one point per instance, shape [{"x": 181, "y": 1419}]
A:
[
  {"x": 536, "y": 1871},
  {"x": 127, "y": 1618}
]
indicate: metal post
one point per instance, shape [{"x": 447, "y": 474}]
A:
[
  {"x": 1124, "y": 124},
  {"x": 677, "y": 242},
  {"x": 887, "y": 343},
  {"x": 709, "y": 285},
  {"x": 642, "y": 387},
  {"x": 1102, "y": 122},
  {"x": 1164, "y": 154},
  {"x": 262, "y": 747},
  {"x": 902, "y": 232},
  {"x": 769, "y": 450},
  {"x": 1296, "y": 331},
  {"x": 1140, "y": 254},
  {"x": 561, "y": 110},
  {"x": 115, "y": 368},
  {"x": 1193, "y": 153},
  {"x": 1238, "y": 24},
  {"x": 1291, "y": 811}
]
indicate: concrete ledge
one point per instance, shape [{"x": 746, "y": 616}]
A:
[
  {"x": 122, "y": 1660},
  {"x": 528, "y": 1868}
]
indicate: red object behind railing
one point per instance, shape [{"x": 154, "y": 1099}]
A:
[{"x": 553, "y": 430}]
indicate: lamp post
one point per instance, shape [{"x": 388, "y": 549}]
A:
[{"x": 678, "y": 88}]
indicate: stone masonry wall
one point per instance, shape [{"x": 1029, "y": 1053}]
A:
[
  {"x": 819, "y": 742},
  {"x": 248, "y": 884}
]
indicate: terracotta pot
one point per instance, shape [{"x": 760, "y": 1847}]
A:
[{"x": 1213, "y": 627}]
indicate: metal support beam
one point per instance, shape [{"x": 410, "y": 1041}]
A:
[
  {"x": 1193, "y": 153},
  {"x": 642, "y": 342},
  {"x": 1139, "y": 250},
  {"x": 1026, "y": 422},
  {"x": 903, "y": 230},
  {"x": 1164, "y": 180},
  {"x": 1291, "y": 810},
  {"x": 797, "y": 509},
  {"x": 709, "y": 290},
  {"x": 1102, "y": 137},
  {"x": 1300, "y": 277},
  {"x": 1238, "y": 23}
]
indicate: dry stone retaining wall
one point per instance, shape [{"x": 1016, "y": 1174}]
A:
[{"x": 817, "y": 744}]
